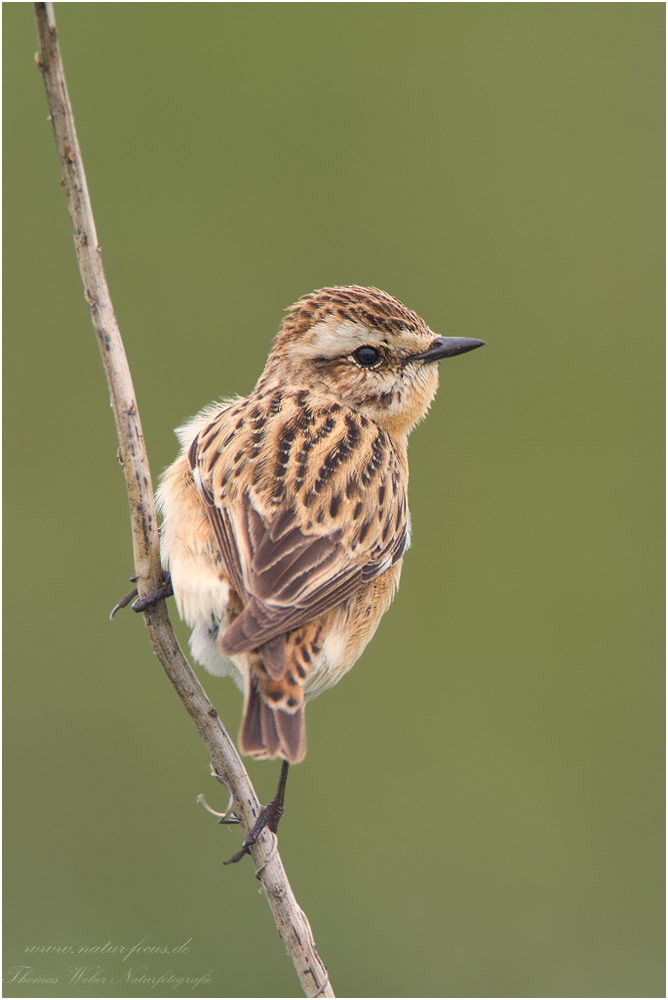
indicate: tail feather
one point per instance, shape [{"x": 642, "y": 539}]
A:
[
  {"x": 250, "y": 738},
  {"x": 268, "y": 732},
  {"x": 292, "y": 733},
  {"x": 270, "y": 737}
]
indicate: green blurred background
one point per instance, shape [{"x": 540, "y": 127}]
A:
[{"x": 480, "y": 810}]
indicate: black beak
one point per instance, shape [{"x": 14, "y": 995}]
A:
[{"x": 447, "y": 347}]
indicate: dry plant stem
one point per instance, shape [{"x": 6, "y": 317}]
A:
[{"x": 290, "y": 920}]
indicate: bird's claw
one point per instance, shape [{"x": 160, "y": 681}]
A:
[
  {"x": 270, "y": 816},
  {"x": 266, "y": 818},
  {"x": 160, "y": 594},
  {"x": 144, "y": 602}
]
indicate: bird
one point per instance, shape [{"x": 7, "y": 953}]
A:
[{"x": 285, "y": 515}]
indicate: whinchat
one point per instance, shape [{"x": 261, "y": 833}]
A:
[{"x": 285, "y": 515}]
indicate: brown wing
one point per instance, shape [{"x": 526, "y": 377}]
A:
[
  {"x": 292, "y": 547},
  {"x": 288, "y": 578}
]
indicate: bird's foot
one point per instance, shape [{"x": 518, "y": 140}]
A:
[
  {"x": 270, "y": 817},
  {"x": 145, "y": 602},
  {"x": 165, "y": 590},
  {"x": 124, "y": 601}
]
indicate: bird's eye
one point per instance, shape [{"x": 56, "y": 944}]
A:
[{"x": 367, "y": 357}]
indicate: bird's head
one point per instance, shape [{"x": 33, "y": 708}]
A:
[{"x": 365, "y": 348}]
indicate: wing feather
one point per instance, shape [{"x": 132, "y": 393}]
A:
[{"x": 288, "y": 555}]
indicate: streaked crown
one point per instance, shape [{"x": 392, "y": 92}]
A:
[
  {"x": 350, "y": 306},
  {"x": 364, "y": 348}
]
